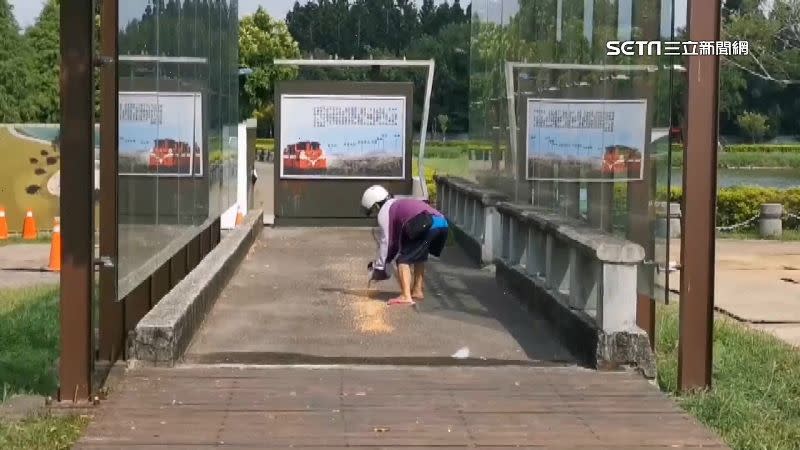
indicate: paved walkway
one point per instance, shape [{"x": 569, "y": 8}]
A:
[
  {"x": 264, "y": 190},
  {"x": 757, "y": 282},
  {"x": 23, "y": 265},
  {"x": 397, "y": 407},
  {"x": 301, "y": 297}
]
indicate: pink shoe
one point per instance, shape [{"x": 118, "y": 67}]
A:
[{"x": 400, "y": 301}]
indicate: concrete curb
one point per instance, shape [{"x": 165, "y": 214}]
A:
[{"x": 163, "y": 335}]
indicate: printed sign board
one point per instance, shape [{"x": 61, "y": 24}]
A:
[
  {"x": 161, "y": 134},
  {"x": 599, "y": 140},
  {"x": 343, "y": 137}
]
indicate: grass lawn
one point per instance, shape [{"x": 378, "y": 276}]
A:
[
  {"x": 442, "y": 166},
  {"x": 29, "y": 333},
  {"x": 42, "y": 433},
  {"x": 18, "y": 240},
  {"x": 755, "y": 399}
]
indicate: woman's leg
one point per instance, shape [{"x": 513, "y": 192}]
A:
[
  {"x": 418, "y": 287},
  {"x": 404, "y": 279}
]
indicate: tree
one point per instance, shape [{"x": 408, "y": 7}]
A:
[
  {"x": 753, "y": 125},
  {"x": 262, "y": 40},
  {"x": 427, "y": 17},
  {"x": 444, "y": 123},
  {"x": 43, "y": 73},
  {"x": 13, "y": 76},
  {"x": 451, "y": 50}
]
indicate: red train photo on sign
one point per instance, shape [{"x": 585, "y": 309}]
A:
[
  {"x": 306, "y": 157},
  {"x": 620, "y": 160}
]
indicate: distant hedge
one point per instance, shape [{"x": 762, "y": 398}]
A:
[
  {"x": 737, "y": 204},
  {"x": 762, "y": 148},
  {"x": 265, "y": 145},
  {"x": 752, "y": 148}
]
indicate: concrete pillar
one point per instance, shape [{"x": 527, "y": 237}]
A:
[
  {"x": 417, "y": 189},
  {"x": 547, "y": 188},
  {"x": 675, "y": 220},
  {"x": 617, "y": 312},
  {"x": 600, "y": 199},
  {"x": 770, "y": 225},
  {"x": 569, "y": 193},
  {"x": 668, "y": 212},
  {"x": 492, "y": 236}
]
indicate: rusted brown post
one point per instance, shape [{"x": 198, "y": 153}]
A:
[
  {"x": 699, "y": 196},
  {"x": 111, "y": 312},
  {"x": 640, "y": 194},
  {"x": 77, "y": 199}
]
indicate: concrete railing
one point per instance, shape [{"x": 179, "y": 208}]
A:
[
  {"x": 586, "y": 270},
  {"x": 581, "y": 279},
  {"x": 474, "y": 212}
]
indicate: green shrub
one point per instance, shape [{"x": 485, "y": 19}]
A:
[
  {"x": 762, "y": 148},
  {"x": 265, "y": 145},
  {"x": 750, "y": 148},
  {"x": 430, "y": 174},
  {"x": 471, "y": 144},
  {"x": 431, "y": 184},
  {"x": 450, "y": 151},
  {"x": 675, "y": 195},
  {"x": 445, "y": 152},
  {"x": 737, "y": 204}
]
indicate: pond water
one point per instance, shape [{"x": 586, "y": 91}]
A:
[{"x": 771, "y": 178}]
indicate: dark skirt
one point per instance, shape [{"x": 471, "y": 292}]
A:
[{"x": 417, "y": 251}]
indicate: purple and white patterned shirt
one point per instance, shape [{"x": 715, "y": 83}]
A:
[{"x": 391, "y": 219}]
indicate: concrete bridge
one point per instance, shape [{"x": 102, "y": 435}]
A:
[{"x": 526, "y": 338}]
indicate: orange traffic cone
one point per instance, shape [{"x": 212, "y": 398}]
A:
[
  {"x": 239, "y": 217},
  {"x": 29, "y": 231},
  {"x": 3, "y": 224},
  {"x": 55, "y": 246}
]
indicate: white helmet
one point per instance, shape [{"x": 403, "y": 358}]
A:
[{"x": 373, "y": 196}]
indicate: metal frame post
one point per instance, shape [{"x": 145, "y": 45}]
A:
[
  {"x": 112, "y": 336},
  {"x": 77, "y": 197},
  {"x": 641, "y": 195},
  {"x": 430, "y": 64},
  {"x": 699, "y": 197}
]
